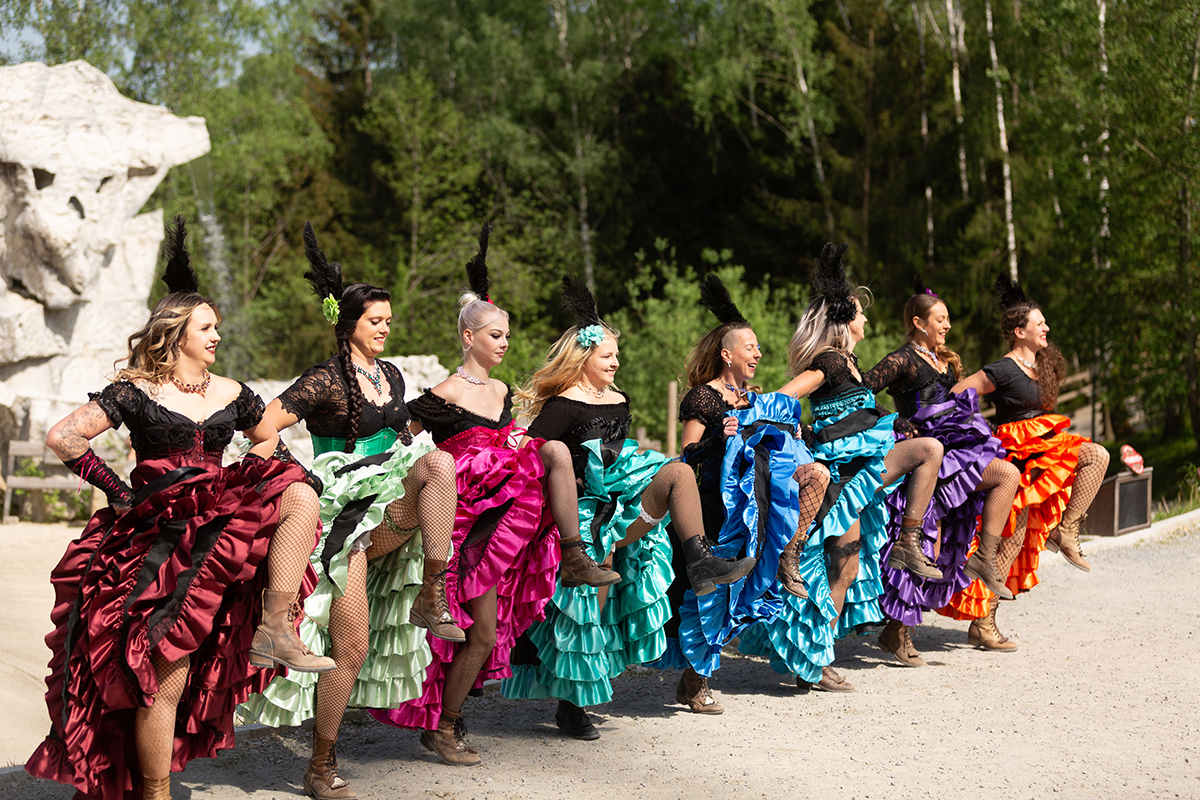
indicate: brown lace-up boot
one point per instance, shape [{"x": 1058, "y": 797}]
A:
[
  {"x": 982, "y": 565},
  {"x": 985, "y": 635},
  {"x": 694, "y": 693},
  {"x": 578, "y": 568},
  {"x": 907, "y": 553},
  {"x": 448, "y": 741},
  {"x": 430, "y": 609},
  {"x": 789, "y": 567},
  {"x": 276, "y": 642},
  {"x": 897, "y": 640},
  {"x": 321, "y": 779},
  {"x": 1065, "y": 539}
]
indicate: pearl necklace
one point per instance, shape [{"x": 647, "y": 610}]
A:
[
  {"x": 192, "y": 388},
  {"x": 590, "y": 392},
  {"x": 469, "y": 378},
  {"x": 376, "y": 379},
  {"x": 1028, "y": 366}
]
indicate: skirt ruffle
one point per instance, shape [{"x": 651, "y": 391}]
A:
[
  {"x": 969, "y": 448},
  {"x": 179, "y": 575},
  {"x": 581, "y": 648},
  {"x": 1047, "y": 456},
  {"x": 501, "y": 487},
  {"x": 357, "y": 490},
  {"x": 799, "y": 640}
]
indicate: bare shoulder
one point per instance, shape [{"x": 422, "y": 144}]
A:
[{"x": 223, "y": 389}]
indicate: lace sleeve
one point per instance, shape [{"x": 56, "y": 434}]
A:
[
  {"x": 118, "y": 400},
  {"x": 703, "y": 403},
  {"x": 432, "y": 411},
  {"x": 315, "y": 390},
  {"x": 832, "y": 365},
  {"x": 895, "y": 367},
  {"x": 248, "y": 408}
]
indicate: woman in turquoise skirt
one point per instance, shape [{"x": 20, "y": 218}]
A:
[
  {"x": 591, "y": 635},
  {"x": 388, "y": 511}
]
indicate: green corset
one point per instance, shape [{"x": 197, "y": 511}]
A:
[{"x": 369, "y": 446}]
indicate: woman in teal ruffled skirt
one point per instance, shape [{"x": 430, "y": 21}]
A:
[
  {"x": 590, "y": 635},
  {"x": 387, "y": 508}
]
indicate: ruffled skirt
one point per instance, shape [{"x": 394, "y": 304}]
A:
[
  {"x": 800, "y": 638},
  {"x": 969, "y": 448},
  {"x": 357, "y": 490},
  {"x": 176, "y": 576},
  {"x": 1047, "y": 456},
  {"x": 579, "y": 648},
  {"x": 504, "y": 538}
]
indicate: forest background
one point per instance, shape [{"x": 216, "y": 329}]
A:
[{"x": 643, "y": 143}]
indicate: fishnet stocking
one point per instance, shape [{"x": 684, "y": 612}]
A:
[
  {"x": 348, "y": 631},
  {"x": 841, "y": 558},
  {"x": 562, "y": 494},
  {"x": 294, "y": 538},
  {"x": 470, "y": 658},
  {"x": 1000, "y": 480},
  {"x": 154, "y": 727},
  {"x": 1010, "y": 546},
  {"x": 923, "y": 458},
  {"x": 672, "y": 489},
  {"x": 814, "y": 480},
  {"x": 430, "y": 498},
  {"x": 1089, "y": 474}
]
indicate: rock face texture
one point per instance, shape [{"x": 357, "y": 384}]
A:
[{"x": 78, "y": 161}]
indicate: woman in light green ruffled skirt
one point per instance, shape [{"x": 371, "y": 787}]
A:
[{"x": 388, "y": 512}]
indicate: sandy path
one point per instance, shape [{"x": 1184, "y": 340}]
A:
[{"x": 1101, "y": 700}]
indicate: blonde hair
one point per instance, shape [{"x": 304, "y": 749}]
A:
[
  {"x": 475, "y": 314},
  {"x": 154, "y": 350},
  {"x": 562, "y": 370},
  {"x": 815, "y": 333}
]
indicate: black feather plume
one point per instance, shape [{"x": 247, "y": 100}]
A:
[
  {"x": 326, "y": 278},
  {"x": 578, "y": 299},
  {"x": 1010, "y": 292},
  {"x": 919, "y": 286},
  {"x": 477, "y": 271},
  {"x": 831, "y": 282},
  {"x": 179, "y": 275},
  {"x": 715, "y": 297}
]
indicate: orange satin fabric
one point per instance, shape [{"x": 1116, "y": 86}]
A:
[{"x": 1050, "y": 456}]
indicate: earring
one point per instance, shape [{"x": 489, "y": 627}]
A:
[{"x": 729, "y": 363}]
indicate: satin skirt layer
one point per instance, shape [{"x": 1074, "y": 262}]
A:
[
  {"x": 576, "y": 651},
  {"x": 357, "y": 490},
  {"x": 1047, "y": 456},
  {"x": 504, "y": 538},
  {"x": 179, "y": 575},
  {"x": 969, "y": 448},
  {"x": 799, "y": 640}
]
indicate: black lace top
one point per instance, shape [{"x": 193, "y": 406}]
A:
[
  {"x": 574, "y": 422},
  {"x": 319, "y": 397},
  {"x": 706, "y": 404},
  {"x": 1016, "y": 396},
  {"x": 443, "y": 419},
  {"x": 841, "y": 389},
  {"x": 910, "y": 379},
  {"x": 158, "y": 432}
]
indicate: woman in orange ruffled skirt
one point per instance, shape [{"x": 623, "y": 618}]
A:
[{"x": 1060, "y": 472}]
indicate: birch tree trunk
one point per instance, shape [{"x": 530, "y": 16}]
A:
[
  {"x": 1010, "y": 228},
  {"x": 955, "y": 24},
  {"x": 925, "y": 141},
  {"x": 869, "y": 130},
  {"x": 561, "y": 24}
]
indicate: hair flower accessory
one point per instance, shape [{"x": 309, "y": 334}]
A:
[
  {"x": 589, "y": 336},
  {"x": 330, "y": 308}
]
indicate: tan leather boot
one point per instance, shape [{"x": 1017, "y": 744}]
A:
[
  {"x": 321, "y": 779},
  {"x": 982, "y": 565},
  {"x": 276, "y": 642},
  {"x": 694, "y": 693},
  {"x": 156, "y": 788},
  {"x": 789, "y": 567},
  {"x": 448, "y": 741},
  {"x": 1065, "y": 539},
  {"x": 430, "y": 609},
  {"x": 896, "y": 639},
  {"x": 830, "y": 681},
  {"x": 578, "y": 568},
  {"x": 907, "y": 553},
  {"x": 985, "y": 635}
]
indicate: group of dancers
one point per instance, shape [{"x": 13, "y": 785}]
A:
[{"x": 398, "y": 575}]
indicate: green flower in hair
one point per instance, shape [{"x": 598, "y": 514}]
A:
[
  {"x": 330, "y": 308},
  {"x": 590, "y": 336}
]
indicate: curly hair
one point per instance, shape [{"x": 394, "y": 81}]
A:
[
  {"x": 1049, "y": 363},
  {"x": 154, "y": 348},
  {"x": 562, "y": 370}
]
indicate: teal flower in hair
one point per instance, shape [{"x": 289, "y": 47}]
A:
[
  {"x": 590, "y": 336},
  {"x": 330, "y": 308}
]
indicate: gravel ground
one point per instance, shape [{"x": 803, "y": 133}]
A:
[{"x": 1102, "y": 699}]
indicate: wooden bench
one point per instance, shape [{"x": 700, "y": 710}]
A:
[{"x": 42, "y": 455}]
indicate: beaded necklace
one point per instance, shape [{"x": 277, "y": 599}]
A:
[
  {"x": 192, "y": 388},
  {"x": 376, "y": 379}
]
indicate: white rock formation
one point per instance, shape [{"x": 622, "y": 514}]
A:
[{"x": 78, "y": 161}]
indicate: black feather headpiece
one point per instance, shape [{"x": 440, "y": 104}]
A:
[
  {"x": 179, "y": 275},
  {"x": 715, "y": 297},
  {"x": 580, "y": 302},
  {"x": 831, "y": 282},
  {"x": 477, "y": 271},
  {"x": 326, "y": 278},
  {"x": 1010, "y": 292},
  {"x": 919, "y": 286}
]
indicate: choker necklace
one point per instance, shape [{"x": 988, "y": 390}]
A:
[
  {"x": 741, "y": 394},
  {"x": 1028, "y": 366},
  {"x": 376, "y": 379},
  {"x": 469, "y": 378},
  {"x": 192, "y": 388},
  {"x": 923, "y": 349},
  {"x": 590, "y": 392}
]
